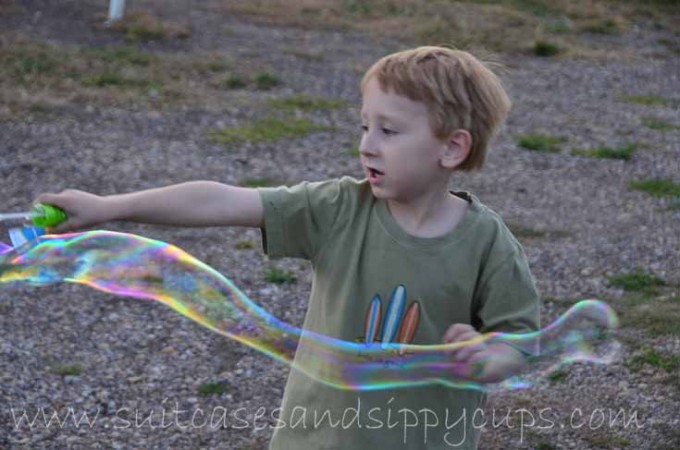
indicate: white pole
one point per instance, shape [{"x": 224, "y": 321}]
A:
[{"x": 116, "y": 8}]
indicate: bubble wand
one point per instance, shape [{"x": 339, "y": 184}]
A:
[{"x": 41, "y": 215}]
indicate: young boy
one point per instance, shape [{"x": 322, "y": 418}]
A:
[{"x": 451, "y": 267}]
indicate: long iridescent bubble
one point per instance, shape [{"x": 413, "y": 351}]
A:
[{"x": 139, "y": 267}]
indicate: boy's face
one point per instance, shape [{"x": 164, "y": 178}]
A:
[{"x": 399, "y": 153}]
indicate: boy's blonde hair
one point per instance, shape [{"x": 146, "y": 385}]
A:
[{"x": 458, "y": 90}]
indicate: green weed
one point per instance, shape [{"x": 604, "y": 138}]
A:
[
  {"x": 306, "y": 103},
  {"x": 234, "y": 82},
  {"x": 245, "y": 245},
  {"x": 657, "y": 317},
  {"x": 658, "y": 124},
  {"x": 658, "y": 187},
  {"x": 302, "y": 54},
  {"x": 541, "y": 142},
  {"x": 558, "y": 376},
  {"x": 114, "y": 79},
  {"x": 265, "y": 81},
  {"x": 124, "y": 55},
  {"x": 625, "y": 152},
  {"x": 546, "y": 48},
  {"x": 261, "y": 182},
  {"x": 522, "y": 232},
  {"x": 654, "y": 359},
  {"x": 66, "y": 369},
  {"x": 606, "y": 26},
  {"x": 649, "y": 100},
  {"x": 213, "y": 388},
  {"x": 636, "y": 281},
  {"x": 269, "y": 129},
  {"x": 278, "y": 276}
]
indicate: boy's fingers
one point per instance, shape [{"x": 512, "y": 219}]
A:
[
  {"x": 466, "y": 352},
  {"x": 453, "y": 334},
  {"x": 51, "y": 199}
]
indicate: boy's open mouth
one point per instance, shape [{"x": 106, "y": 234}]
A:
[{"x": 375, "y": 172}]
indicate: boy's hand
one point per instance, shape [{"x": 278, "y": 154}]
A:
[
  {"x": 83, "y": 209},
  {"x": 472, "y": 357},
  {"x": 483, "y": 362}
]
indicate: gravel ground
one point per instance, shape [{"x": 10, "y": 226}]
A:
[{"x": 140, "y": 356}]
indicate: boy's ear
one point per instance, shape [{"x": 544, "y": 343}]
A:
[{"x": 457, "y": 149}]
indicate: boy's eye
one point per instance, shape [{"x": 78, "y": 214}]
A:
[
  {"x": 365, "y": 128},
  {"x": 388, "y": 131}
]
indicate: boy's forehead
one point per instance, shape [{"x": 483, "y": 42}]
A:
[{"x": 388, "y": 105}]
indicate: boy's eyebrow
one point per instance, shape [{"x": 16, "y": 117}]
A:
[{"x": 384, "y": 117}]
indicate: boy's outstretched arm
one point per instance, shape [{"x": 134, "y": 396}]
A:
[{"x": 195, "y": 203}]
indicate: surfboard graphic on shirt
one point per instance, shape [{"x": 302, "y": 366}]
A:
[{"x": 396, "y": 325}]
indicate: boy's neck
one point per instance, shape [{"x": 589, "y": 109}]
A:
[{"x": 430, "y": 219}]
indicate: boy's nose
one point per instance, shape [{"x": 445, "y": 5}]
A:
[{"x": 367, "y": 148}]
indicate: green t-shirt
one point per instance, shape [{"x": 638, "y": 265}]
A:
[{"x": 475, "y": 274}]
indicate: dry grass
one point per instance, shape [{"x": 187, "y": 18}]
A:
[
  {"x": 139, "y": 25},
  {"x": 8, "y": 7},
  {"x": 37, "y": 77},
  {"x": 497, "y": 25}
]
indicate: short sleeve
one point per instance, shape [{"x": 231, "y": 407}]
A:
[
  {"x": 507, "y": 299},
  {"x": 299, "y": 219}
]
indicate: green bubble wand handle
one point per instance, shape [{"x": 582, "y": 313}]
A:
[
  {"x": 48, "y": 215},
  {"x": 42, "y": 215}
]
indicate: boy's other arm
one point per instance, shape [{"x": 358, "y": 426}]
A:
[
  {"x": 195, "y": 203},
  {"x": 482, "y": 362}
]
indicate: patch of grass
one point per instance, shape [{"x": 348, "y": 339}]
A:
[
  {"x": 625, "y": 152},
  {"x": 278, "y": 276},
  {"x": 546, "y": 48},
  {"x": 658, "y": 124},
  {"x": 654, "y": 359},
  {"x": 604, "y": 26},
  {"x": 636, "y": 281},
  {"x": 124, "y": 55},
  {"x": 303, "y": 54},
  {"x": 658, "y": 187},
  {"x": 66, "y": 369},
  {"x": 212, "y": 66},
  {"x": 541, "y": 142},
  {"x": 558, "y": 27},
  {"x": 262, "y": 182},
  {"x": 245, "y": 245},
  {"x": 306, "y": 103},
  {"x": 115, "y": 79},
  {"x": 558, "y": 376},
  {"x": 26, "y": 64},
  {"x": 656, "y": 316},
  {"x": 265, "y": 81},
  {"x": 269, "y": 129},
  {"x": 354, "y": 151},
  {"x": 672, "y": 45},
  {"x": 217, "y": 388},
  {"x": 496, "y": 25},
  {"x": 649, "y": 100},
  {"x": 545, "y": 446},
  {"x": 522, "y": 232},
  {"x": 234, "y": 82},
  {"x": 602, "y": 439},
  {"x": 143, "y": 26}
]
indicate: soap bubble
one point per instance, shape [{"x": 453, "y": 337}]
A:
[{"x": 135, "y": 266}]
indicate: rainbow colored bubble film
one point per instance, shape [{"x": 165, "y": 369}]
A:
[{"x": 134, "y": 266}]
